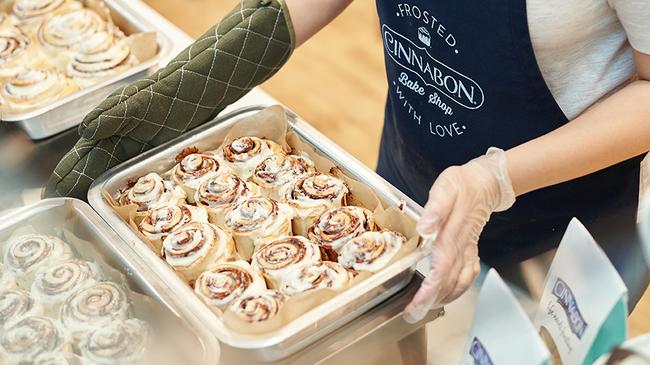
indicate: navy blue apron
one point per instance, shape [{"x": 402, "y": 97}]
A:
[{"x": 462, "y": 76}]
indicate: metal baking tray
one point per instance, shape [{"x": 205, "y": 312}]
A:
[
  {"x": 51, "y": 214},
  {"x": 314, "y": 324},
  {"x": 67, "y": 112}
]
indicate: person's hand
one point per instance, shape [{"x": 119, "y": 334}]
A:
[{"x": 460, "y": 203}]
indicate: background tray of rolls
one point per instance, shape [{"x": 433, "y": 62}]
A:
[
  {"x": 316, "y": 323},
  {"x": 57, "y": 108},
  {"x": 64, "y": 278}
]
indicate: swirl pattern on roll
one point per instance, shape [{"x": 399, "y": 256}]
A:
[
  {"x": 326, "y": 274},
  {"x": 151, "y": 191},
  {"x": 196, "y": 245},
  {"x": 258, "y": 306},
  {"x": 25, "y": 9},
  {"x": 121, "y": 342},
  {"x": 371, "y": 251},
  {"x": 98, "y": 57},
  {"x": 278, "y": 170},
  {"x": 31, "y": 88},
  {"x": 14, "y": 45},
  {"x": 55, "y": 283},
  {"x": 67, "y": 30},
  {"x": 27, "y": 253},
  {"x": 283, "y": 255},
  {"x": 94, "y": 306},
  {"x": 31, "y": 336},
  {"x": 245, "y": 153},
  {"x": 224, "y": 191},
  {"x": 159, "y": 222},
  {"x": 223, "y": 283},
  {"x": 316, "y": 190},
  {"x": 258, "y": 214},
  {"x": 337, "y": 226},
  {"x": 16, "y": 304},
  {"x": 196, "y": 168}
]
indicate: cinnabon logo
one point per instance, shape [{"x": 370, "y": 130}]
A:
[
  {"x": 478, "y": 353},
  {"x": 568, "y": 302},
  {"x": 433, "y": 73}
]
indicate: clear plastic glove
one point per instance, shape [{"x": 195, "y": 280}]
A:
[{"x": 460, "y": 203}]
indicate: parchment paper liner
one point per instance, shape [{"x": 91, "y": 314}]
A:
[{"x": 271, "y": 123}]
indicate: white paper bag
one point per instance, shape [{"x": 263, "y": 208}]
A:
[
  {"x": 502, "y": 333},
  {"x": 583, "y": 310}
]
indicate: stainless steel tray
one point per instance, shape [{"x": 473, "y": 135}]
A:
[
  {"x": 69, "y": 111},
  {"x": 314, "y": 324},
  {"x": 49, "y": 215}
]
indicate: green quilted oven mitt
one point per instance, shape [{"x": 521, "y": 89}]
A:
[{"x": 247, "y": 47}]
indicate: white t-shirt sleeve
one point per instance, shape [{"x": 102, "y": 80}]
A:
[{"x": 634, "y": 15}]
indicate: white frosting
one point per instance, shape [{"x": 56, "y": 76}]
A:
[
  {"x": 279, "y": 170},
  {"x": 121, "y": 342},
  {"x": 94, "y": 306},
  {"x": 346, "y": 222},
  {"x": 98, "y": 57},
  {"x": 197, "y": 168},
  {"x": 151, "y": 191},
  {"x": 258, "y": 306},
  {"x": 196, "y": 242},
  {"x": 53, "y": 285},
  {"x": 371, "y": 251},
  {"x": 245, "y": 153},
  {"x": 280, "y": 257},
  {"x": 7, "y": 279},
  {"x": 161, "y": 221},
  {"x": 33, "y": 8},
  {"x": 16, "y": 304},
  {"x": 327, "y": 274},
  {"x": 68, "y": 30},
  {"x": 315, "y": 193},
  {"x": 259, "y": 217},
  {"x": 223, "y": 283},
  {"x": 13, "y": 50},
  {"x": 31, "y": 88},
  {"x": 24, "y": 340},
  {"x": 58, "y": 358},
  {"x": 25, "y": 254},
  {"x": 222, "y": 192}
]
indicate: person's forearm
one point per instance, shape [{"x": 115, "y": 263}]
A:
[
  {"x": 610, "y": 132},
  {"x": 310, "y": 16}
]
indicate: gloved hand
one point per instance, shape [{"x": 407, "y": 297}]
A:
[{"x": 460, "y": 203}]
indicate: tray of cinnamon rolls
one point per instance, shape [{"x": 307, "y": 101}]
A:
[
  {"x": 59, "y": 58},
  {"x": 269, "y": 232},
  {"x": 69, "y": 295}
]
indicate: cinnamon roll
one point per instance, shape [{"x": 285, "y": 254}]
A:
[
  {"x": 279, "y": 170},
  {"x": 31, "y": 88},
  {"x": 93, "y": 307},
  {"x": 258, "y": 218},
  {"x": 220, "y": 193},
  {"x": 258, "y": 306},
  {"x": 313, "y": 194},
  {"x": 16, "y": 51},
  {"x": 24, "y": 340},
  {"x": 195, "y": 247},
  {"x": 371, "y": 251},
  {"x": 326, "y": 274},
  {"x": 223, "y": 283},
  {"x": 122, "y": 342},
  {"x": 65, "y": 31},
  {"x": 58, "y": 358},
  {"x": 151, "y": 191},
  {"x": 25, "y": 255},
  {"x": 337, "y": 226},
  {"x": 7, "y": 279},
  {"x": 16, "y": 304},
  {"x": 159, "y": 222},
  {"x": 194, "y": 169},
  {"x": 53, "y": 285},
  {"x": 279, "y": 257},
  {"x": 245, "y": 153},
  {"x": 30, "y": 13}
]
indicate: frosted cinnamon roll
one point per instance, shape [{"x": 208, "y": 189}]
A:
[
  {"x": 220, "y": 193},
  {"x": 92, "y": 307},
  {"x": 245, "y": 153},
  {"x": 279, "y": 170},
  {"x": 326, "y": 274},
  {"x": 30, "y": 13},
  {"x": 258, "y": 306},
  {"x": 279, "y": 257},
  {"x": 65, "y": 31},
  {"x": 122, "y": 342},
  {"x": 313, "y": 194},
  {"x": 25, "y": 255},
  {"x": 24, "y": 340},
  {"x": 194, "y": 169},
  {"x": 337, "y": 226},
  {"x": 31, "y": 88},
  {"x": 54, "y": 284},
  {"x": 223, "y": 283},
  {"x": 195, "y": 247},
  {"x": 161, "y": 221},
  {"x": 58, "y": 358},
  {"x": 16, "y": 304},
  {"x": 258, "y": 218},
  {"x": 371, "y": 251},
  {"x": 151, "y": 191},
  {"x": 16, "y": 51},
  {"x": 100, "y": 56}
]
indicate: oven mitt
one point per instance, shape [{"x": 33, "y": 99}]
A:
[{"x": 247, "y": 47}]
